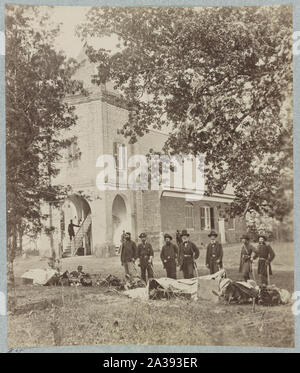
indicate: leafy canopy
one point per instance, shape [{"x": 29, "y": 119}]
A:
[
  {"x": 37, "y": 81},
  {"x": 219, "y": 79}
]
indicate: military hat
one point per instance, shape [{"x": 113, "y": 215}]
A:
[
  {"x": 142, "y": 235},
  {"x": 245, "y": 237},
  {"x": 185, "y": 233},
  {"x": 263, "y": 236},
  {"x": 213, "y": 233},
  {"x": 167, "y": 235},
  {"x": 128, "y": 233}
]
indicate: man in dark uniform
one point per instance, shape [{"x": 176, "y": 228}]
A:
[
  {"x": 145, "y": 254},
  {"x": 178, "y": 238},
  {"x": 71, "y": 229},
  {"x": 214, "y": 254},
  {"x": 188, "y": 252},
  {"x": 128, "y": 255},
  {"x": 169, "y": 255},
  {"x": 265, "y": 255},
  {"x": 246, "y": 257}
]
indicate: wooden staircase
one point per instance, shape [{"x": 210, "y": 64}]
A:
[{"x": 78, "y": 241}]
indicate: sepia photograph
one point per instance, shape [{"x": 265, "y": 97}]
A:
[{"x": 149, "y": 176}]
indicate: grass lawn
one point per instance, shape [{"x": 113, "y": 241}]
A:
[{"x": 88, "y": 316}]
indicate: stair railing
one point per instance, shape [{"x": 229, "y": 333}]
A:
[{"x": 78, "y": 239}]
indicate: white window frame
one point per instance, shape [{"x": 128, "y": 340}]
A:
[
  {"x": 207, "y": 218},
  {"x": 120, "y": 156}
]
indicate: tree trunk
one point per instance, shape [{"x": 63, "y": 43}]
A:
[
  {"x": 11, "y": 254},
  {"x": 20, "y": 237},
  {"x": 51, "y": 231}
]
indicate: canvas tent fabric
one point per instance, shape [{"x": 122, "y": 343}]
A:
[
  {"x": 285, "y": 296},
  {"x": 164, "y": 288},
  {"x": 39, "y": 276},
  {"x": 186, "y": 288},
  {"x": 203, "y": 287},
  {"x": 210, "y": 285}
]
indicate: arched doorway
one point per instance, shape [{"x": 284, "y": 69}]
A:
[
  {"x": 120, "y": 219},
  {"x": 77, "y": 209}
]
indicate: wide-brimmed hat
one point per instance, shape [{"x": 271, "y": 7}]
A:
[
  {"x": 245, "y": 237},
  {"x": 142, "y": 235},
  {"x": 128, "y": 233},
  {"x": 167, "y": 235},
  {"x": 213, "y": 233},
  {"x": 185, "y": 233},
  {"x": 263, "y": 236}
]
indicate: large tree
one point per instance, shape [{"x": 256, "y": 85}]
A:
[
  {"x": 38, "y": 78},
  {"x": 220, "y": 79}
]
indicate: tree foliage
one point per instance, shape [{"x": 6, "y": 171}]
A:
[
  {"x": 37, "y": 81},
  {"x": 219, "y": 79}
]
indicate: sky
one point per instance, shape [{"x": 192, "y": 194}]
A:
[{"x": 70, "y": 17}]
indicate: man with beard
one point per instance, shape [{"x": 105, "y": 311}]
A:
[
  {"x": 246, "y": 257},
  {"x": 145, "y": 255},
  {"x": 214, "y": 254},
  {"x": 178, "y": 238},
  {"x": 169, "y": 255},
  {"x": 188, "y": 253},
  {"x": 265, "y": 255},
  {"x": 128, "y": 255}
]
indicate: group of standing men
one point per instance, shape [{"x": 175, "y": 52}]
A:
[
  {"x": 185, "y": 254},
  {"x": 263, "y": 252}
]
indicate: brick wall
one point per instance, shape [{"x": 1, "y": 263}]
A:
[
  {"x": 88, "y": 132},
  {"x": 173, "y": 218},
  {"x": 151, "y": 218},
  {"x": 234, "y": 235}
]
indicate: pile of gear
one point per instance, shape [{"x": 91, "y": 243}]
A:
[
  {"x": 270, "y": 295},
  {"x": 118, "y": 284},
  {"x": 80, "y": 278},
  {"x": 74, "y": 278},
  {"x": 248, "y": 291},
  {"x": 110, "y": 281},
  {"x": 53, "y": 277}
]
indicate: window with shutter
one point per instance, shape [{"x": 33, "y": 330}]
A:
[
  {"x": 206, "y": 218},
  {"x": 189, "y": 216},
  {"x": 212, "y": 218},
  {"x": 202, "y": 218},
  {"x": 120, "y": 155},
  {"x": 115, "y": 153}
]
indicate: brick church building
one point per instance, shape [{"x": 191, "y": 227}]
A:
[{"x": 102, "y": 215}]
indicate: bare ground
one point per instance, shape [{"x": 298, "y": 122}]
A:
[{"x": 89, "y": 316}]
